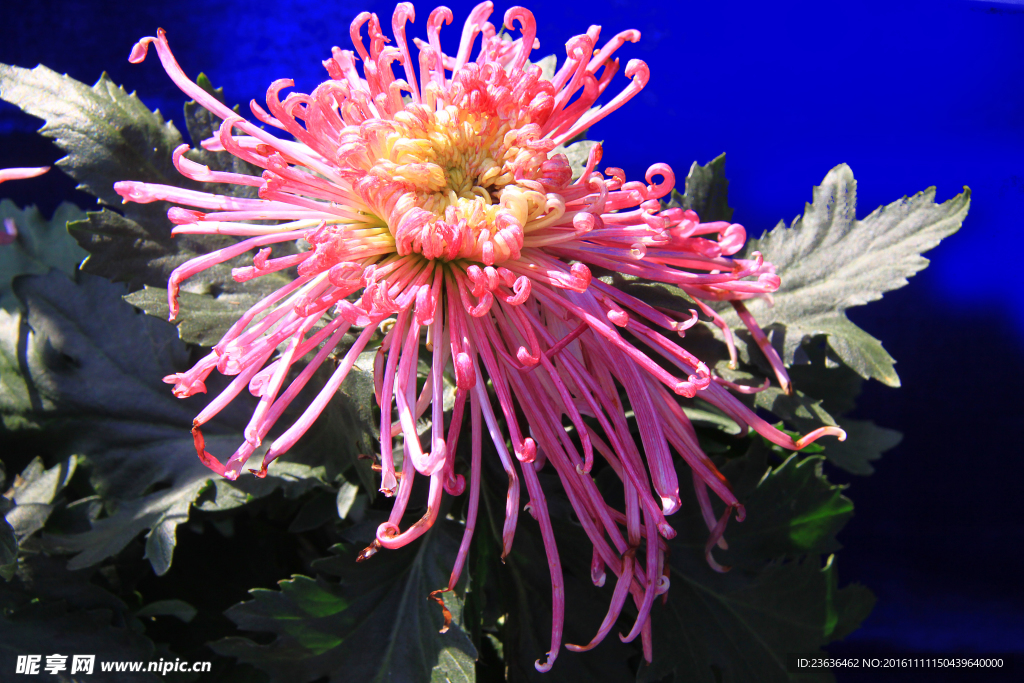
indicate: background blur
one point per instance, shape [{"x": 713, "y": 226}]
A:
[{"x": 909, "y": 94}]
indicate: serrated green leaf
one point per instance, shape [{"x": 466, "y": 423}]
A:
[
  {"x": 111, "y": 136},
  {"x": 202, "y": 319},
  {"x": 378, "y": 625},
  {"x": 41, "y": 244},
  {"x": 159, "y": 514},
  {"x": 34, "y": 493},
  {"x": 853, "y": 604},
  {"x": 739, "y": 626},
  {"x": 778, "y": 597},
  {"x": 793, "y": 510},
  {"x": 144, "y": 256},
  {"x": 707, "y": 191},
  {"x": 87, "y": 367},
  {"x": 829, "y": 261},
  {"x": 865, "y": 442},
  {"x": 108, "y": 134}
]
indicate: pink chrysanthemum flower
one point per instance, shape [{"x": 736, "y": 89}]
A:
[{"x": 433, "y": 206}]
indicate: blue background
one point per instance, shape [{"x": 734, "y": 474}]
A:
[{"x": 909, "y": 94}]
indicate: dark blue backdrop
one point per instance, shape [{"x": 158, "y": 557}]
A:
[{"x": 910, "y": 94}]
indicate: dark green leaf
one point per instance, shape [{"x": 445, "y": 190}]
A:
[
  {"x": 48, "y": 628},
  {"x": 793, "y": 407},
  {"x": 138, "y": 249},
  {"x": 836, "y": 387},
  {"x": 853, "y": 604},
  {"x": 48, "y": 604},
  {"x": 168, "y": 608},
  {"x": 738, "y": 626},
  {"x": 201, "y": 124},
  {"x": 345, "y": 502},
  {"x": 111, "y": 136},
  {"x": 41, "y": 244},
  {"x": 87, "y": 367},
  {"x": 8, "y": 542},
  {"x": 320, "y": 509},
  {"x": 352, "y": 431},
  {"x": 108, "y": 134},
  {"x": 34, "y": 493},
  {"x": 829, "y": 261},
  {"x": 144, "y": 254},
  {"x": 38, "y": 485},
  {"x": 379, "y": 624},
  {"x": 793, "y": 510},
  {"x": 202, "y": 319},
  {"x": 865, "y": 442},
  {"x": 707, "y": 191}
]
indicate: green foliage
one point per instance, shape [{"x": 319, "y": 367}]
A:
[
  {"x": 110, "y": 136},
  {"x": 793, "y": 508},
  {"x": 829, "y": 261},
  {"x": 84, "y": 370},
  {"x": 706, "y": 191},
  {"x": 104, "y": 130},
  {"x": 780, "y": 595},
  {"x": 41, "y": 244},
  {"x": 202, "y": 319},
  {"x": 27, "y": 505},
  {"x": 378, "y": 624},
  {"x": 45, "y": 603},
  {"x": 865, "y": 442}
]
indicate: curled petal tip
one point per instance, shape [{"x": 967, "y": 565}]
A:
[
  {"x": 436, "y": 596},
  {"x": 139, "y": 50},
  {"x": 638, "y": 70},
  {"x": 813, "y": 436},
  {"x": 369, "y": 551},
  {"x": 546, "y": 665}
]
